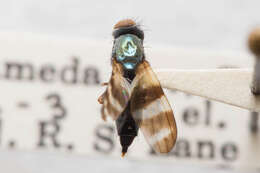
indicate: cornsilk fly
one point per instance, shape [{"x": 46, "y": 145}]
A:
[{"x": 134, "y": 97}]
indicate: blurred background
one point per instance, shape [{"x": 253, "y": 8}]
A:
[
  {"x": 214, "y": 25},
  {"x": 54, "y": 54}
]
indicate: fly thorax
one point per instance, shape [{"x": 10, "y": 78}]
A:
[{"x": 128, "y": 51}]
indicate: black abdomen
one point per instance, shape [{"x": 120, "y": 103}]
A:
[{"x": 127, "y": 128}]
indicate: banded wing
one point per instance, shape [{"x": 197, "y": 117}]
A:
[
  {"x": 117, "y": 94},
  {"x": 152, "y": 111}
]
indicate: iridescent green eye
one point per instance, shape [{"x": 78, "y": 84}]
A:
[{"x": 129, "y": 50}]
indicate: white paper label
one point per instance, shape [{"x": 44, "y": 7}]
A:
[{"x": 48, "y": 101}]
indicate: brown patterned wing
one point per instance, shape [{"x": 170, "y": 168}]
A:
[
  {"x": 152, "y": 111},
  {"x": 117, "y": 94}
]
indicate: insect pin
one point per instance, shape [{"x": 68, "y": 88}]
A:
[{"x": 134, "y": 97}]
